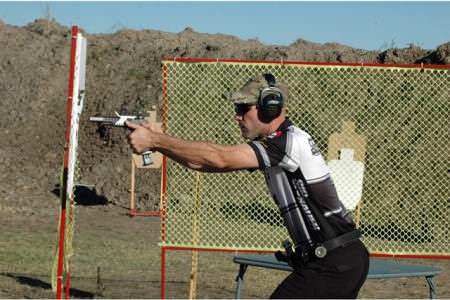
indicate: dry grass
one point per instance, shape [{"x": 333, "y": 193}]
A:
[{"x": 126, "y": 251}]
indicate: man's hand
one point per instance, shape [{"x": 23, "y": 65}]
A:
[{"x": 142, "y": 137}]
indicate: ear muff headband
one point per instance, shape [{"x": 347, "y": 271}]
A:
[{"x": 270, "y": 100}]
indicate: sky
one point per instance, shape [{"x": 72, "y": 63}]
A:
[{"x": 366, "y": 25}]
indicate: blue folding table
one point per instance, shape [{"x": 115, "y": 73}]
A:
[{"x": 378, "y": 269}]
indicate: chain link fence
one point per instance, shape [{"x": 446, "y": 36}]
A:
[{"x": 384, "y": 132}]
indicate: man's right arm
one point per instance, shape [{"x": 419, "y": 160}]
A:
[
  {"x": 198, "y": 155},
  {"x": 210, "y": 157}
]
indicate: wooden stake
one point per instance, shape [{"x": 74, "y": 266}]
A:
[
  {"x": 194, "y": 272},
  {"x": 358, "y": 214},
  {"x": 195, "y": 238},
  {"x": 133, "y": 177}
]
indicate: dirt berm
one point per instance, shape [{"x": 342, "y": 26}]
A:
[{"x": 123, "y": 73}]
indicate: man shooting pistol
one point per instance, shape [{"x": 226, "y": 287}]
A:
[{"x": 328, "y": 258}]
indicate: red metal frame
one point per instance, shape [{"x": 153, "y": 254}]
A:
[
  {"x": 164, "y": 249},
  {"x": 292, "y": 62},
  {"x": 62, "y": 225},
  {"x": 236, "y": 250},
  {"x": 164, "y": 117},
  {"x": 409, "y": 256},
  {"x": 163, "y": 273},
  {"x": 140, "y": 213}
]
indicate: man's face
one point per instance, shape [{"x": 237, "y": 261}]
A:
[{"x": 247, "y": 118}]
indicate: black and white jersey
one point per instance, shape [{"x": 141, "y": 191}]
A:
[{"x": 300, "y": 183}]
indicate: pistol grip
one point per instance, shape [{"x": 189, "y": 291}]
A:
[{"x": 147, "y": 158}]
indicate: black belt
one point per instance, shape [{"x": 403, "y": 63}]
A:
[
  {"x": 320, "y": 250},
  {"x": 343, "y": 240}
]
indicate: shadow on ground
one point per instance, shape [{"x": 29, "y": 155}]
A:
[
  {"x": 37, "y": 283},
  {"x": 84, "y": 195}
]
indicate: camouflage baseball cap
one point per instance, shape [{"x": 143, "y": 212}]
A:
[{"x": 249, "y": 92}]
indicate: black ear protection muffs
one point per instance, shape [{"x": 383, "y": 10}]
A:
[{"x": 270, "y": 101}]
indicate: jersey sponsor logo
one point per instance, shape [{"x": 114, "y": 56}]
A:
[
  {"x": 314, "y": 149},
  {"x": 275, "y": 134}
]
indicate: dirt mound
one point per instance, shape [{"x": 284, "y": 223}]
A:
[{"x": 123, "y": 73}]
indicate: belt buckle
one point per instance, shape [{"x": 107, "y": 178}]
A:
[{"x": 320, "y": 251}]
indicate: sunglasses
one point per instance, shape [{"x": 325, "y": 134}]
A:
[{"x": 242, "y": 109}]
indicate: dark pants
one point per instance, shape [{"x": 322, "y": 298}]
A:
[{"x": 338, "y": 275}]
